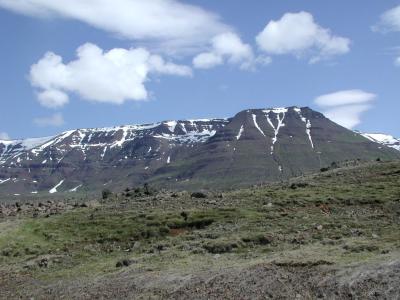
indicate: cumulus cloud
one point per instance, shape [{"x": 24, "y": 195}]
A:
[
  {"x": 228, "y": 48},
  {"x": 55, "y": 120},
  {"x": 169, "y": 23},
  {"x": 298, "y": 34},
  {"x": 4, "y": 136},
  {"x": 115, "y": 76},
  {"x": 346, "y": 107},
  {"x": 389, "y": 21},
  {"x": 207, "y": 60}
]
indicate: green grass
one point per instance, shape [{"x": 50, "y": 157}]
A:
[{"x": 341, "y": 216}]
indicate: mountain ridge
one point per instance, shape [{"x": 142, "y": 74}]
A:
[{"x": 254, "y": 146}]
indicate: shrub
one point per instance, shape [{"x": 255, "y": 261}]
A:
[
  {"x": 184, "y": 215},
  {"x": 146, "y": 189},
  {"x": 259, "y": 239},
  {"x": 294, "y": 186},
  {"x": 123, "y": 263},
  {"x": 195, "y": 223},
  {"x": 106, "y": 193},
  {"x": 200, "y": 223},
  {"x": 198, "y": 195},
  {"x": 220, "y": 247}
]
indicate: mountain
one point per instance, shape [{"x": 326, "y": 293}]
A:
[
  {"x": 254, "y": 146},
  {"x": 383, "y": 139}
]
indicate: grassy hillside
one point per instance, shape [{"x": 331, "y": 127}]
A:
[{"x": 307, "y": 234}]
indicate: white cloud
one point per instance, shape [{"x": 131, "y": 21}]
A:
[
  {"x": 228, "y": 48},
  {"x": 169, "y": 23},
  {"x": 346, "y": 107},
  {"x": 298, "y": 34},
  {"x": 115, "y": 76},
  {"x": 4, "y": 136},
  {"x": 389, "y": 21},
  {"x": 54, "y": 120},
  {"x": 53, "y": 98},
  {"x": 348, "y": 116},
  {"x": 347, "y": 97},
  {"x": 207, "y": 60}
]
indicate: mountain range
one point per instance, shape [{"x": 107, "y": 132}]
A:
[{"x": 254, "y": 146}]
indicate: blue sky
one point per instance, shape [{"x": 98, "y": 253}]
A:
[{"x": 195, "y": 59}]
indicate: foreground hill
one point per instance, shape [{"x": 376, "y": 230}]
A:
[
  {"x": 332, "y": 235},
  {"x": 252, "y": 147}
]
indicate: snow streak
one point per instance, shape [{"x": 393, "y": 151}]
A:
[
  {"x": 75, "y": 189},
  {"x": 54, "y": 189},
  {"x": 308, "y": 126},
  {"x": 280, "y": 116},
  {"x": 255, "y": 124},
  {"x": 240, "y": 133}
]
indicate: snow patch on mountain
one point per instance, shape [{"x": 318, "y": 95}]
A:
[
  {"x": 16, "y": 147},
  {"x": 384, "y": 139},
  {"x": 4, "y": 180},
  {"x": 54, "y": 189},
  {"x": 101, "y": 140},
  {"x": 172, "y": 125}
]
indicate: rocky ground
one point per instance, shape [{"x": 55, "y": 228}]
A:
[{"x": 332, "y": 235}]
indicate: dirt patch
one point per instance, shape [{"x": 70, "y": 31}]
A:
[{"x": 177, "y": 231}]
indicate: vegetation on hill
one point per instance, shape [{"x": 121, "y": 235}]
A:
[{"x": 303, "y": 233}]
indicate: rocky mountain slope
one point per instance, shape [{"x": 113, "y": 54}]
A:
[{"x": 254, "y": 146}]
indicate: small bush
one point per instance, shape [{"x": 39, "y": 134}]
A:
[
  {"x": 220, "y": 247},
  {"x": 184, "y": 215},
  {"x": 200, "y": 223},
  {"x": 196, "y": 223},
  {"x": 259, "y": 239},
  {"x": 294, "y": 186},
  {"x": 123, "y": 263},
  {"x": 164, "y": 230},
  {"x": 198, "y": 195},
  {"x": 360, "y": 248},
  {"x": 106, "y": 193}
]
